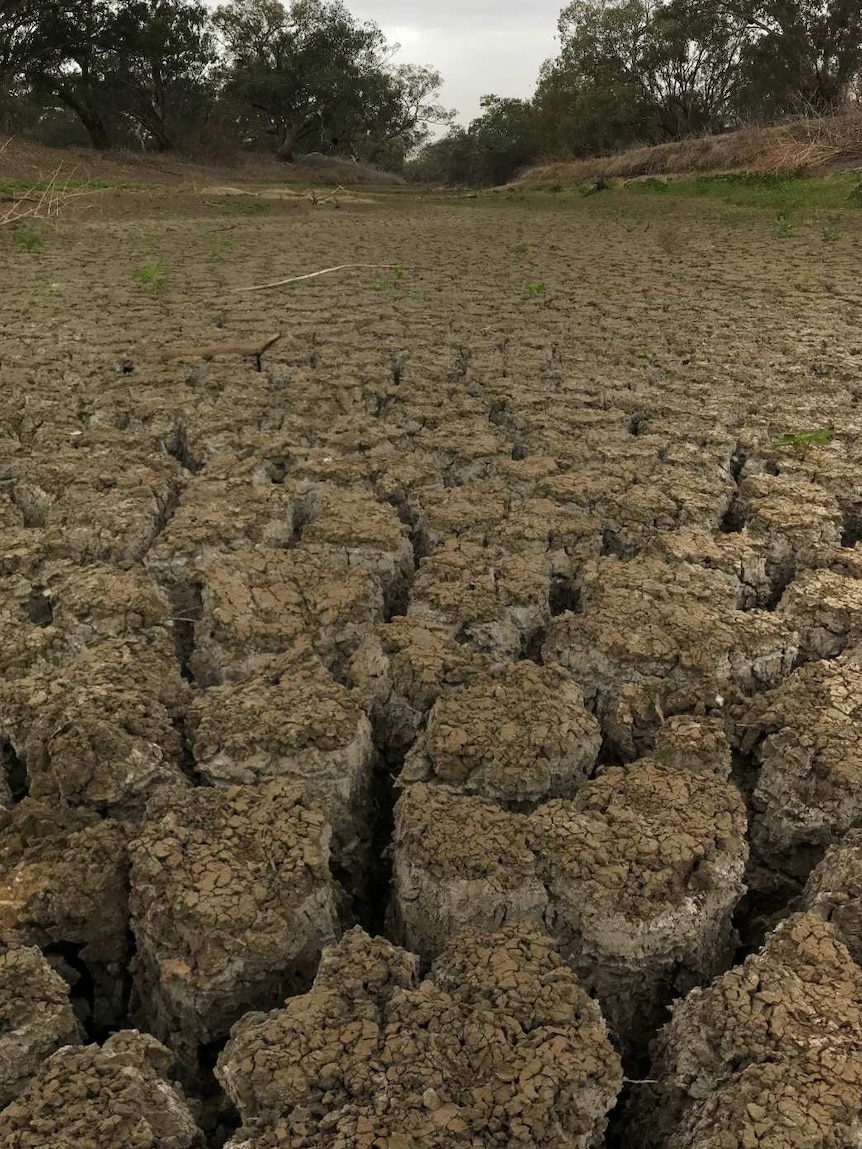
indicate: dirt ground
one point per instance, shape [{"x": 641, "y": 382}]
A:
[{"x": 397, "y": 724}]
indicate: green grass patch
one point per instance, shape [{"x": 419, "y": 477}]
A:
[{"x": 781, "y": 193}]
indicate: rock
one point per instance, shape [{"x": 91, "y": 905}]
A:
[
  {"x": 260, "y": 603},
  {"x": 518, "y": 734},
  {"x": 36, "y": 1016},
  {"x": 499, "y": 1046},
  {"x": 108, "y": 1097},
  {"x": 231, "y": 901},
  {"x": 767, "y": 1054}
]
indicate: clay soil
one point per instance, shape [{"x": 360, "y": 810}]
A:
[{"x": 442, "y": 729}]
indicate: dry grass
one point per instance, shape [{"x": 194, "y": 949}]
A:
[
  {"x": 42, "y": 202},
  {"x": 28, "y": 161},
  {"x": 813, "y": 144}
]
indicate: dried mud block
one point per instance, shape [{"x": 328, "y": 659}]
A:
[
  {"x": 36, "y": 1016},
  {"x": 518, "y": 734},
  {"x": 259, "y": 603},
  {"x": 825, "y": 608},
  {"x": 214, "y": 517},
  {"x": 768, "y": 1055},
  {"x": 64, "y": 885},
  {"x": 95, "y": 509},
  {"x": 636, "y": 877},
  {"x": 499, "y": 1046},
  {"x": 351, "y": 528},
  {"x": 292, "y": 721},
  {"x": 400, "y": 670},
  {"x": 457, "y": 862},
  {"x": 489, "y": 513},
  {"x": 231, "y": 903},
  {"x": 834, "y": 891},
  {"x": 643, "y": 870},
  {"x": 111, "y": 1097},
  {"x": 654, "y": 639},
  {"x": 49, "y": 616},
  {"x": 564, "y": 535},
  {"x": 694, "y": 744},
  {"x": 495, "y": 601},
  {"x": 734, "y": 555},
  {"x": 806, "y": 737},
  {"x": 463, "y": 449},
  {"x": 474, "y": 512},
  {"x": 101, "y": 732},
  {"x": 792, "y": 518}
]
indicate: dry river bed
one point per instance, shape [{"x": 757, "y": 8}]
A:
[{"x": 445, "y": 731}]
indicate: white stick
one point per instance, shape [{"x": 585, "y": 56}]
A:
[{"x": 314, "y": 274}]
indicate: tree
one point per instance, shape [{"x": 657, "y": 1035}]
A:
[
  {"x": 640, "y": 70},
  {"x": 18, "y": 23},
  {"x": 161, "y": 51},
  {"x": 309, "y": 72},
  {"x": 802, "y": 54},
  {"x": 71, "y": 45},
  {"x": 490, "y": 151}
]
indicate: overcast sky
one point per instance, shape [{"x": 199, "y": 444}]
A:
[{"x": 478, "y": 46}]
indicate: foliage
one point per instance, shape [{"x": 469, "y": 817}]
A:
[
  {"x": 489, "y": 151},
  {"x": 28, "y": 241},
  {"x": 153, "y": 276},
  {"x": 801, "y": 442},
  {"x": 314, "y": 76}
]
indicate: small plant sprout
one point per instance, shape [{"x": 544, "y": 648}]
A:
[
  {"x": 520, "y": 249},
  {"x": 783, "y": 227},
  {"x": 28, "y": 241},
  {"x": 799, "y": 443},
  {"x": 219, "y": 248},
  {"x": 396, "y": 274},
  {"x": 153, "y": 276},
  {"x": 831, "y": 233},
  {"x": 535, "y": 288}
]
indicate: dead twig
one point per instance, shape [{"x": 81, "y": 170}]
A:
[
  {"x": 253, "y": 349},
  {"x": 314, "y": 274}
]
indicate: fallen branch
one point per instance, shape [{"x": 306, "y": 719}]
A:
[
  {"x": 314, "y": 274},
  {"x": 250, "y": 350}
]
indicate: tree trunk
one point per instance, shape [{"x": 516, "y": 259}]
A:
[
  {"x": 285, "y": 153},
  {"x": 92, "y": 120}
]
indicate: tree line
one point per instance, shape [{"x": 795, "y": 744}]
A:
[
  {"x": 648, "y": 71},
  {"x": 307, "y": 76},
  {"x": 256, "y": 74}
]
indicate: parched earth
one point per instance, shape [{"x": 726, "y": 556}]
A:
[{"x": 445, "y": 730}]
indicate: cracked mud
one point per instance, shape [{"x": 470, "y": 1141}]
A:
[{"x": 449, "y": 734}]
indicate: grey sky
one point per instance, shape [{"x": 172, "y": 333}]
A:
[{"x": 479, "y": 46}]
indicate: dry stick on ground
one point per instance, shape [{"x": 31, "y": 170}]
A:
[
  {"x": 314, "y": 274},
  {"x": 43, "y": 203},
  {"x": 251, "y": 350}
]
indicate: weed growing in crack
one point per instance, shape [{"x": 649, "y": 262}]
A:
[
  {"x": 219, "y": 247},
  {"x": 28, "y": 241},
  {"x": 396, "y": 274},
  {"x": 783, "y": 227},
  {"x": 800, "y": 443},
  {"x": 535, "y": 288},
  {"x": 153, "y": 276},
  {"x": 831, "y": 233}
]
